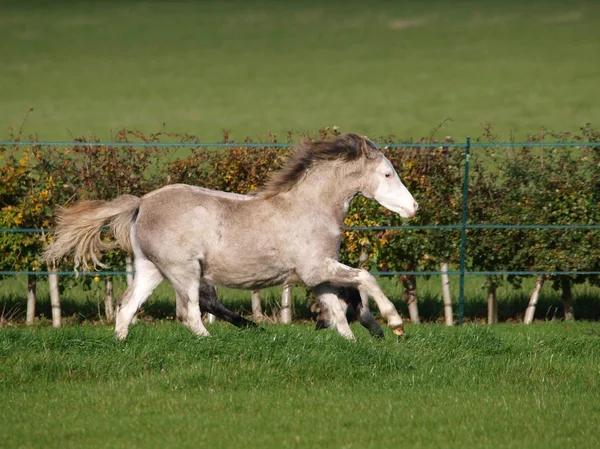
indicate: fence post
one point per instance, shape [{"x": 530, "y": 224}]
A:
[
  {"x": 54, "y": 295},
  {"x": 256, "y": 306},
  {"x": 463, "y": 234},
  {"x": 31, "y": 297},
  {"x": 286, "y": 305},
  {"x": 446, "y": 294}
]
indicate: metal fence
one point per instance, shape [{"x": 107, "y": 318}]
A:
[{"x": 463, "y": 226}]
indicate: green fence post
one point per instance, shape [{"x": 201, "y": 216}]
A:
[{"x": 463, "y": 236}]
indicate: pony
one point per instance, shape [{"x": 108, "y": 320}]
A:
[{"x": 289, "y": 231}]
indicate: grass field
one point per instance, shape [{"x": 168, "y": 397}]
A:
[
  {"x": 376, "y": 67},
  {"x": 475, "y": 386}
]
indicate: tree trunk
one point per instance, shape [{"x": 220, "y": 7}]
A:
[
  {"x": 492, "y": 303},
  {"x": 286, "y": 305},
  {"x": 535, "y": 295},
  {"x": 54, "y": 296},
  {"x": 446, "y": 295},
  {"x": 129, "y": 269},
  {"x": 109, "y": 305},
  {"x": 256, "y": 306},
  {"x": 567, "y": 296},
  {"x": 31, "y": 297},
  {"x": 410, "y": 296}
]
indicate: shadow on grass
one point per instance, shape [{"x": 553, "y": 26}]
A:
[{"x": 510, "y": 308}]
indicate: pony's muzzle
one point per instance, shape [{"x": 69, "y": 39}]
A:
[{"x": 410, "y": 212}]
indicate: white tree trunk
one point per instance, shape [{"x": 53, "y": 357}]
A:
[
  {"x": 129, "y": 269},
  {"x": 446, "y": 295},
  {"x": 533, "y": 300},
  {"x": 31, "y": 297},
  {"x": 109, "y": 304},
  {"x": 54, "y": 296},
  {"x": 492, "y": 304},
  {"x": 256, "y": 306},
  {"x": 286, "y": 305}
]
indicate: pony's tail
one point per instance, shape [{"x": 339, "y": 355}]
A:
[{"x": 79, "y": 230}]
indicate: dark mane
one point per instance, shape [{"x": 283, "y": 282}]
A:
[{"x": 347, "y": 147}]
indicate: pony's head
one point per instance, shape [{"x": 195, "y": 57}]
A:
[
  {"x": 372, "y": 173},
  {"x": 382, "y": 183}
]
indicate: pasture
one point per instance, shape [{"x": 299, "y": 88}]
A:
[
  {"x": 378, "y": 68},
  {"x": 289, "y": 386}
]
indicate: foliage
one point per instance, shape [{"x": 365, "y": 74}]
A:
[
  {"x": 25, "y": 202},
  {"x": 238, "y": 169}
]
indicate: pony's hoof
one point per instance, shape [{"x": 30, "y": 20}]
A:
[
  {"x": 121, "y": 335},
  {"x": 378, "y": 334},
  {"x": 322, "y": 324},
  {"x": 398, "y": 330}
]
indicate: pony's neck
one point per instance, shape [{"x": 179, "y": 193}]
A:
[{"x": 326, "y": 188}]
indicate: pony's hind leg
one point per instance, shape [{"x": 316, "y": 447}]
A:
[
  {"x": 360, "y": 304},
  {"x": 209, "y": 302},
  {"x": 365, "y": 317},
  {"x": 335, "y": 310},
  {"x": 146, "y": 279}
]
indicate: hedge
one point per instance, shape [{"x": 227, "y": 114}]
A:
[{"x": 525, "y": 184}]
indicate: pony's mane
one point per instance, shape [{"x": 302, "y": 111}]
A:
[{"x": 308, "y": 153}]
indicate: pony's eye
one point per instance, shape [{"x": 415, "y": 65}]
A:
[{"x": 388, "y": 175}]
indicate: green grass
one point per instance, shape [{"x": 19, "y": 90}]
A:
[
  {"x": 289, "y": 386},
  {"x": 379, "y": 67}
]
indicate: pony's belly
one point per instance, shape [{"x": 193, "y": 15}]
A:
[
  {"x": 246, "y": 273},
  {"x": 250, "y": 281}
]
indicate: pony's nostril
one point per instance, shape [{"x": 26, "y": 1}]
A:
[{"x": 416, "y": 206}]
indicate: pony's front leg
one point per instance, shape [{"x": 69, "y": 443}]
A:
[
  {"x": 189, "y": 309},
  {"x": 181, "y": 309},
  {"x": 339, "y": 274},
  {"x": 335, "y": 310},
  {"x": 184, "y": 275}
]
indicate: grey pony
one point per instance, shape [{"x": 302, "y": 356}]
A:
[{"x": 289, "y": 232}]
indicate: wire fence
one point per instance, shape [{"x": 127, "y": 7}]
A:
[{"x": 463, "y": 226}]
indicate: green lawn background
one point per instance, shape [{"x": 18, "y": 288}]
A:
[{"x": 252, "y": 67}]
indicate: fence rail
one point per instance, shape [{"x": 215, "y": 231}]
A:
[{"x": 463, "y": 226}]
